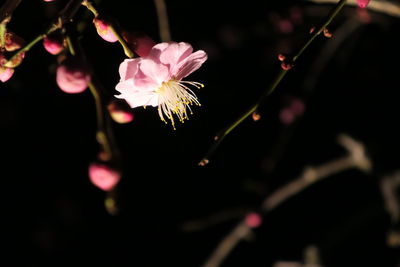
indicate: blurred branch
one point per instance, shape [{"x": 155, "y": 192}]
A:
[
  {"x": 386, "y": 7},
  {"x": 163, "y": 24},
  {"x": 389, "y": 187},
  {"x": 213, "y": 219},
  {"x": 7, "y": 10},
  {"x": 356, "y": 158},
  {"x": 286, "y": 66}
]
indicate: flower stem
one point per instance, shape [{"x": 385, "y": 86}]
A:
[
  {"x": 127, "y": 50},
  {"x": 279, "y": 77},
  {"x": 64, "y": 17}
]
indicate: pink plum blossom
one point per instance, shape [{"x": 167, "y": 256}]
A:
[
  {"x": 53, "y": 44},
  {"x": 72, "y": 76},
  {"x": 103, "y": 28},
  {"x": 156, "y": 80},
  {"x": 103, "y": 176},
  {"x": 363, "y": 3}
]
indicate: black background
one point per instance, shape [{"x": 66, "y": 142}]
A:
[{"x": 55, "y": 217}]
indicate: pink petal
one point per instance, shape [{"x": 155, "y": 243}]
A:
[
  {"x": 137, "y": 99},
  {"x": 128, "y": 68},
  {"x": 157, "y": 72},
  {"x": 156, "y": 51},
  {"x": 175, "y": 53},
  {"x": 189, "y": 65}
]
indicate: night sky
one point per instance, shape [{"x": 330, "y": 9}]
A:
[{"x": 54, "y": 216}]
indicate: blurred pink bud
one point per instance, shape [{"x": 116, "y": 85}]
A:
[
  {"x": 103, "y": 28},
  {"x": 256, "y": 116},
  {"x": 5, "y": 74},
  {"x": 286, "y": 65},
  {"x": 363, "y": 3},
  {"x": 72, "y": 76},
  {"x": 297, "y": 106},
  {"x": 120, "y": 111},
  {"x": 281, "y": 57},
  {"x": 285, "y": 26},
  {"x": 103, "y": 176},
  {"x": 48, "y": 0},
  {"x": 53, "y": 44},
  {"x": 287, "y": 116},
  {"x": 141, "y": 44},
  {"x": 296, "y": 15},
  {"x": 13, "y": 41},
  {"x": 327, "y": 33},
  {"x": 253, "y": 220}
]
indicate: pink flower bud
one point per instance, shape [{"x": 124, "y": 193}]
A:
[
  {"x": 297, "y": 106},
  {"x": 140, "y": 43},
  {"x": 13, "y": 41},
  {"x": 363, "y": 3},
  {"x": 48, "y": 0},
  {"x": 72, "y": 76},
  {"x": 253, "y": 220},
  {"x": 5, "y": 74},
  {"x": 103, "y": 28},
  {"x": 120, "y": 111},
  {"x": 53, "y": 44},
  {"x": 103, "y": 176}
]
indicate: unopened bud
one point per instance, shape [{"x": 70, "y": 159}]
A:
[
  {"x": 286, "y": 65},
  {"x": 54, "y": 44},
  {"x": 363, "y": 3},
  {"x": 5, "y": 74},
  {"x": 253, "y": 220},
  {"x": 120, "y": 111},
  {"x": 140, "y": 43},
  {"x": 281, "y": 57},
  {"x": 256, "y": 116},
  {"x": 103, "y": 176},
  {"x": 73, "y": 75},
  {"x": 327, "y": 33},
  {"x": 204, "y": 162},
  {"x": 103, "y": 28}
]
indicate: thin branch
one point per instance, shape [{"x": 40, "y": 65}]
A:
[
  {"x": 163, "y": 23},
  {"x": 385, "y": 7},
  {"x": 222, "y": 134},
  {"x": 65, "y": 16},
  {"x": 356, "y": 158}
]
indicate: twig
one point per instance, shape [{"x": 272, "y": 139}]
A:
[
  {"x": 386, "y": 7},
  {"x": 163, "y": 24},
  {"x": 356, "y": 158},
  {"x": 389, "y": 186},
  {"x": 222, "y": 134},
  {"x": 65, "y": 16}
]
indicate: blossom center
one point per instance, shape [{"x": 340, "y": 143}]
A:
[{"x": 175, "y": 98}]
